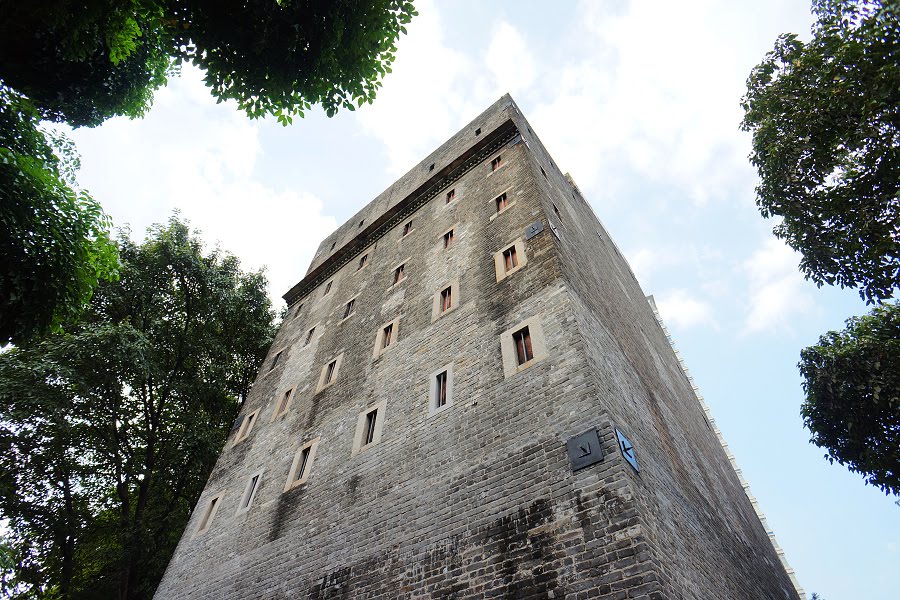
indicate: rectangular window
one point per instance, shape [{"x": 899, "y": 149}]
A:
[
  {"x": 348, "y": 308},
  {"x": 276, "y": 359},
  {"x": 543, "y": 172},
  {"x": 329, "y": 371},
  {"x": 361, "y": 223},
  {"x": 248, "y": 495},
  {"x": 495, "y": 164},
  {"x": 207, "y": 516},
  {"x": 302, "y": 465},
  {"x": 522, "y": 342},
  {"x": 501, "y": 202},
  {"x": 246, "y": 426},
  {"x": 399, "y": 274},
  {"x": 451, "y": 195},
  {"x": 369, "y": 433},
  {"x": 309, "y": 336},
  {"x": 440, "y": 389},
  {"x": 556, "y": 210},
  {"x": 387, "y": 336},
  {"x": 363, "y": 261},
  {"x": 299, "y": 308},
  {"x": 304, "y": 459},
  {"x": 510, "y": 261},
  {"x": 283, "y": 403},
  {"x": 407, "y": 228},
  {"x": 448, "y": 239},
  {"x": 446, "y": 299},
  {"x": 327, "y": 288}
]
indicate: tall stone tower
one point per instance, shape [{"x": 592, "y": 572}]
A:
[{"x": 472, "y": 398}]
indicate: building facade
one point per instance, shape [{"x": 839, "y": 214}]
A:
[{"x": 472, "y": 398}]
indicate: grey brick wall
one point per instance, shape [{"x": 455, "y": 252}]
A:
[{"x": 478, "y": 501}]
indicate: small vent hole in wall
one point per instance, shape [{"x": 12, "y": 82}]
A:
[{"x": 478, "y": 131}]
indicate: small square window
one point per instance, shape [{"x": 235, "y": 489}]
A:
[
  {"x": 450, "y": 196},
  {"x": 329, "y": 374},
  {"x": 333, "y": 244},
  {"x": 209, "y": 514},
  {"x": 386, "y": 337},
  {"x": 522, "y": 342},
  {"x": 309, "y": 336},
  {"x": 446, "y": 299},
  {"x": 363, "y": 261},
  {"x": 302, "y": 465},
  {"x": 348, "y": 308},
  {"x": 431, "y": 168},
  {"x": 276, "y": 359},
  {"x": 407, "y": 228},
  {"x": 449, "y": 239},
  {"x": 246, "y": 427},
  {"x": 510, "y": 259},
  {"x": 283, "y": 403},
  {"x": 360, "y": 223},
  {"x": 399, "y": 274},
  {"x": 522, "y": 346},
  {"x": 478, "y": 131},
  {"x": 327, "y": 288},
  {"x": 369, "y": 425},
  {"x": 496, "y": 163},
  {"x": 502, "y": 202}
]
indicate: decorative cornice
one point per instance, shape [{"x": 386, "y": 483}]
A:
[{"x": 401, "y": 211}]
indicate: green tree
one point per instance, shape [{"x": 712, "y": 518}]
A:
[
  {"x": 109, "y": 431},
  {"x": 54, "y": 238},
  {"x": 852, "y": 391},
  {"x": 83, "y": 62},
  {"x": 825, "y": 117}
]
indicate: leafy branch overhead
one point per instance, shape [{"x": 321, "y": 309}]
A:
[
  {"x": 83, "y": 64},
  {"x": 825, "y": 117}
]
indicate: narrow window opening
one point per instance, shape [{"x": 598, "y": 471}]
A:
[
  {"x": 448, "y": 239},
  {"x": 478, "y": 131},
  {"x": 329, "y": 371},
  {"x": 501, "y": 202},
  {"x": 304, "y": 460},
  {"x": 327, "y": 288},
  {"x": 361, "y": 223},
  {"x": 431, "y": 168},
  {"x": 446, "y": 299},
  {"x": 386, "y": 337},
  {"x": 369, "y": 434},
  {"x": 276, "y": 359},
  {"x": 450, "y": 196},
  {"x": 282, "y": 406},
  {"x": 399, "y": 274},
  {"x": 407, "y": 228},
  {"x": 363, "y": 261},
  {"x": 204, "y": 523},
  {"x": 333, "y": 244},
  {"x": 556, "y": 210},
  {"x": 299, "y": 308},
  {"x": 544, "y": 173},
  {"x": 522, "y": 341},
  {"x": 348, "y": 308},
  {"x": 252, "y": 488},
  {"x": 495, "y": 164},
  {"x": 441, "y": 388},
  {"x": 309, "y": 336},
  {"x": 510, "y": 260},
  {"x": 248, "y": 424}
]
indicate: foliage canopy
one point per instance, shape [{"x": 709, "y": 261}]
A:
[
  {"x": 853, "y": 396},
  {"x": 825, "y": 117},
  {"x": 83, "y": 62},
  {"x": 54, "y": 238},
  {"x": 109, "y": 431}
]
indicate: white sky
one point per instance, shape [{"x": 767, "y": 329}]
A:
[{"x": 639, "y": 101}]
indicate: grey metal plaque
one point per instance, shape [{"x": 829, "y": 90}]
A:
[
  {"x": 627, "y": 450},
  {"x": 534, "y": 229},
  {"x": 584, "y": 449}
]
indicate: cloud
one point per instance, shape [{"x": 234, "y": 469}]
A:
[
  {"x": 681, "y": 310},
  {"x": 777, "y": 293},
  {"x": 201, "y": 158}
]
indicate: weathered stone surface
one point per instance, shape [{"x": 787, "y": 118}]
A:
[{"x": 477, "y": 500}]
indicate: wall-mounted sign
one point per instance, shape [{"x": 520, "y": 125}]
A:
[
  {"x": 584, "y": 449},
  {"x": 627, "y": 449}
]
